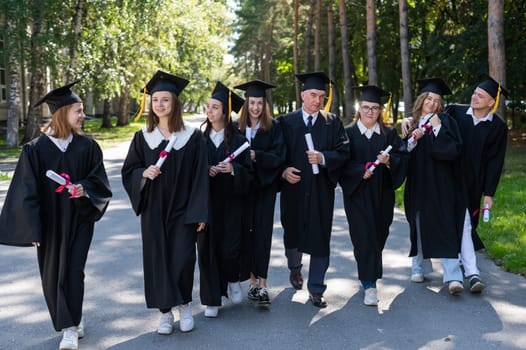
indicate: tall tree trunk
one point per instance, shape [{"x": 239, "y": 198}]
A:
[
  {"x": 13, "y": 101},
  {"x": 296, "y": 52},
  {"x": 106, "y": 114},
  {"x": 268, "y": 59},
  {"x": 123, "y": 117},
  {"x": 335, "y": 106},
  {"x": 349, "y": 109},
  {"x": 317, "y": 37},
  {"x": 371, "y": 41},
  {"x": 36, "y": 85},
  {"x": 404, "y": 51},
  {"x": 77, "y": 28},
  {"x": 307, "y": 53},
  {"x": 496, "y": 47}
]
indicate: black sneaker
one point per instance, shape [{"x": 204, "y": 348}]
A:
[
  {"x": 475, "y": 284},
  {"x": 263, "y": 299},
  {"x": 253, "y": 292}
]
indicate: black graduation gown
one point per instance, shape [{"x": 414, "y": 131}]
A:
[
  {"x": 170, "y": 207},
  {"x": 433, "y": 190},
  {"x": 259, "y": 222},
  {"x": 34, "y": 212},
  {"x": 369, "y": 204},
  {"x": 307, "y": 206},
  {"x": 482, "y": 160},
  {"x": 220, "y": 246}
]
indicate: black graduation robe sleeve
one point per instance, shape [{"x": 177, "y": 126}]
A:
[
  {"x": 242, "y": 166},
  {"x": 447, "y": 145},
  {"x": 495, "y": 157},
  {"x": 197, "y": 207},
  {"x": 398, "y": 158},
  {"x": 338, "y": 154},
  {"x": 269, "y": 161},
  {"x": 132, "y": 170}
]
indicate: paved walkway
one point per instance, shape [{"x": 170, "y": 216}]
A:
[{"x": 409, "y": 316}]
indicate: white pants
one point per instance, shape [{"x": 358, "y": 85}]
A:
[{"x": 467, "y": 250}]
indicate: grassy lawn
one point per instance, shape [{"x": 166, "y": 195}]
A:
[{"x": 505, "y": 234}]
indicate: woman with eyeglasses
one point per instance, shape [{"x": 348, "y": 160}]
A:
[{"x": 368, "y": 187}]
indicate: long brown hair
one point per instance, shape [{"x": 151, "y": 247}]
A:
[
  {"x": 59, "y": 125},
  {"x": 416, "y": 112},
  {"x": 175, "y": 123},
  {"x": 265, "y": 120}
]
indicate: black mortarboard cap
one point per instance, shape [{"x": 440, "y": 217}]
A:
[
  {"x": 255, "y": 88},
  {"x": 371, "y": 93},
  {"x": 222, "y": 93},
  {"x": 435, "y": 85},
  {"x": 491, "y": 86},
  {"x": 162, "y": 81},
  {"x": 315, "y": 80},
  {"x": 59, "y": 97}
]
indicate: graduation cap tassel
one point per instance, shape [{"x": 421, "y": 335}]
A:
[
  {"x": 141, "y": 109},
  {"x": 229, "y": 105},
  {"x": 329, "y": 100},
  {"x": 497, "y": 101},
  {"x": 387, "y": 108}
]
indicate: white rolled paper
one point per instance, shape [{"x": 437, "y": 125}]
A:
[
  {"x": 310, "y": 146},
  {"x": 237, "y": 152},
  {"x": 167, "y": 149},
  {"x": 248, "y": 134},
  {"x": 56, "y": 177},
  {"x": 377, "y": 162},
  {"x": 423, "y": 129},
  {"x": 485, "y": 213}
]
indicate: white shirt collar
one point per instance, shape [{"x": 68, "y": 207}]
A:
[
  {"x": 306, "y": 117},
  {"x": 217, "y": 137},
  {"x": 368, "y": 132},
  {"x": 62, "y": 144},
  {"x": 154, "y": 138},
  {"x": 488, "y": 117}
]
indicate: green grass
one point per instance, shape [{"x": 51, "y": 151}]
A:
[
  {"x": 505, "y": 234},
  {"x": 106, "y": 137}
]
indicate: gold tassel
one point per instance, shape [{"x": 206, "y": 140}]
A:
[
  {"x": 143, "y": 104},
  {"x": 229, "y": 116},
  {"x": 497, "y": 100},
  {"x": 387, "y": 108},
  {"x": 329, "y": 100}
]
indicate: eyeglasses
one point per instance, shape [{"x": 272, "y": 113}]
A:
[{"x": 367, "y": 109}]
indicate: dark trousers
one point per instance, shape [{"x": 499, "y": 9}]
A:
[{"x": 318, "y": 268}]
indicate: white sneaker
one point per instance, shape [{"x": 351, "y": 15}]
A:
[
  {"x": 211, "y": 311},
  {"x": 371, "y": 297},
  {"x": 186, "y": 320},
  {"x": 417, "y": 278},
  {"x": 455, "y": 287},
  {"x": 80, "y": 329},
  {"x": 235, "y": 294},
  {"x": 166, "y": 323},
  {"x": 70, "y": 339}
]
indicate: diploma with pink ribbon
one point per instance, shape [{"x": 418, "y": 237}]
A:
[
  {"x": 237, "y": 152},
  {"x": 63, "y": 180},
  {"x": 424, "y": 128},
  {"x": 164, "y": 153},
  {"x": 248, "y": 134},
  {"x": 372, "y": 165},
  {"x": 310, "y": 147},
  {"x": 485, "y": 213}
]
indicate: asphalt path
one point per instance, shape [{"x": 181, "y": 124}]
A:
[{"x": 409, "y": 315}]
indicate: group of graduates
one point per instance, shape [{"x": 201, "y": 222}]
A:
[{"x": 208, "y": 194}]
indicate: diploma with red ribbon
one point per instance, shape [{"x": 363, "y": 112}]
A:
[
  {"x": 248, "y": 134},
  {"x": 427, "y": 126},
  {"x": 310, "y": 147},
  {"x": 237, "y": 152},
  {"x": 164, "y": 153},
  {"x": 372, "y": 165},
  {"x": 63, "y": 180}
]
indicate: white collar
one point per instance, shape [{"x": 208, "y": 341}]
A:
[
  {"x": 363, "y": 129},
  {"x": 488, "y": 117},
  {"x": 154, "y": 138},
  {"x": 306, "y": 116},
  {"x": 217, "y": 136},
  {"x": 62, "y": 144}
]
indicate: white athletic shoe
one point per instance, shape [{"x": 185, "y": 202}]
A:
[
  {"x": 417, "y": 278},
  {"x": 80, "y": 329},
  {"x": 455, "y": 287},
  {"x": 211, "y": 311},
  {"x": 166, "y": 323},
  {"x": 70, "y": 339},
  {"x": 186, "y": 320},
  {"x": 235, "y": 294},
  {"x": 371, "y": 297}
]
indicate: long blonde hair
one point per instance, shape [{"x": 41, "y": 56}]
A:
[{"x": 416, "y": 112}]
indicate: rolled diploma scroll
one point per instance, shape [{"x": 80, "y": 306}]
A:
[
  {"x": 164, "y": 154},
  {"x": 377, "y": 162},
  {"x": 57, "y": 178},
  {"x": 485, "y": 213},
  {"x": 423, "y": 129},
  {"x": 237, "y": 152},
  {"x": 310, "y": 146},
  {"x": 248, "y": 134}
]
